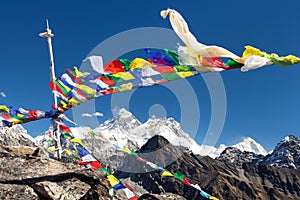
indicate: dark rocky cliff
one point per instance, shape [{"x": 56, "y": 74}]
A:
[{"x": 220, "y": 178}]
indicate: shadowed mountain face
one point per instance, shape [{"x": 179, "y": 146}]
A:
[
  {"x": 285, "y": 154},
  {"x": 218, "y": 177}
]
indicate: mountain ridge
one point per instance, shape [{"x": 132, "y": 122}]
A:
[
  {"x": 220, "y": 178},
  {"x": 125, "y": 130}
]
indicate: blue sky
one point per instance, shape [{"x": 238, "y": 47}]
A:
[{"x": 262, "y": 104}]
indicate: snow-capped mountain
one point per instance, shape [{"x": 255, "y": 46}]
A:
[
  {"x": 286, "y": 153},
  {"x": 250, "y": 145},
  {"x": 125, "y": 128},
  {"x": 247, "y": 145}
]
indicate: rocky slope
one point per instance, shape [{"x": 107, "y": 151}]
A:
[
  {"x": 236, "y": 156},
  {"x": 220, "y": 178},
  {"x": 27, "y": 173}
]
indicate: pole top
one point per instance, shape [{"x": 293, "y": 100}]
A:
[
  {"x": 47, "y": 24},
  {"x": 48, "y": 33}
]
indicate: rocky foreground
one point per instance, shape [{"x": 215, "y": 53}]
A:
[{"x": 27, "y": 173}]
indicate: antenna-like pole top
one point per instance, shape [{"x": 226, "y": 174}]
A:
[
  {"x": 48, "y": 33},
  {"x": 47, "y": 24}
]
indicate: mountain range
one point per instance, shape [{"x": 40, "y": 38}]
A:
[
  {"x": 125, "y": 130},
  {"x": 242, "y": 171}
]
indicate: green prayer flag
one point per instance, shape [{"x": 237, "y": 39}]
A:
[
  {"x": 133, "y": 153},
  {"x": 233, "y": 64},
  {"x": 112, "y": 77},
  {"x": 179, "y": 175},
  {"x": 104, "y": 170},
  {"x": 75, "y": 156},
  {"x": 184, "y": 68},
  {"x": 171, "y": 76},
  {"x": 173, "y": 54},
  {"x": 67, "y": 135},
  {"x": 280, "y": 61},
  {"x": 125, "y": 63}
]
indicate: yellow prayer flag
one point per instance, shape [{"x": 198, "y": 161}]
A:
[
  {"x": 250, "y": 51},
  {"x": 166, "y": 173},
  {"x": 139, "y": 63},
  {"x": 119, "y": 74},
  {"x": 291, "y": 59},
  {"x": 73, "y": 102},
  {"x": 185, "y": 74},
  {"x": 4, "y": 108},
  {"x": 124, "y": 75},
  {"x": 87, "y": 89},
  {"x": 125, "y": 87},
  {"x": 125, "y": 149},
  {"x": 113, "y": 180},
  {"x": 77, "y": 141},
  {"x": 63, "y": 104},
  {"x": 127, "y": 76},
  {"x": 68, "y": 152},
  {"x": 79, "y": 73},
  {"x": 15, "y": 121}
]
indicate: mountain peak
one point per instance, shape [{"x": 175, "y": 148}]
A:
[
  {"x": 290, "y": 138},
  {"x": 286, "y": 153},
  {"x": 250, "y": 145},
  {"x": 248, "y": 139},
  {"x": 122, "y": 113},
  {"x": 154, "y": 143}
]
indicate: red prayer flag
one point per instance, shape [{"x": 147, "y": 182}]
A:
[
  {"x": 134, "y": 198},
  {"x": 141, "y": 159},
  {"x": 64, "y": 128},
  {"x": 96, "y": 165},
  {"x": 80, "y": 162},
  {"x": 114, "y": 66},
  {"x": 107, "y": 81},
  {"x": 185, "y": 181},
  {"x": 6, "y": 116},
  {"x": 165, "y": 69}
]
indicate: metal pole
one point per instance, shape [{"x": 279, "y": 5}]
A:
[{"x": 48, "y": 34}]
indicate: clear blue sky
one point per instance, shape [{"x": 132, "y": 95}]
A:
[{"x": 262, "y": 104}]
